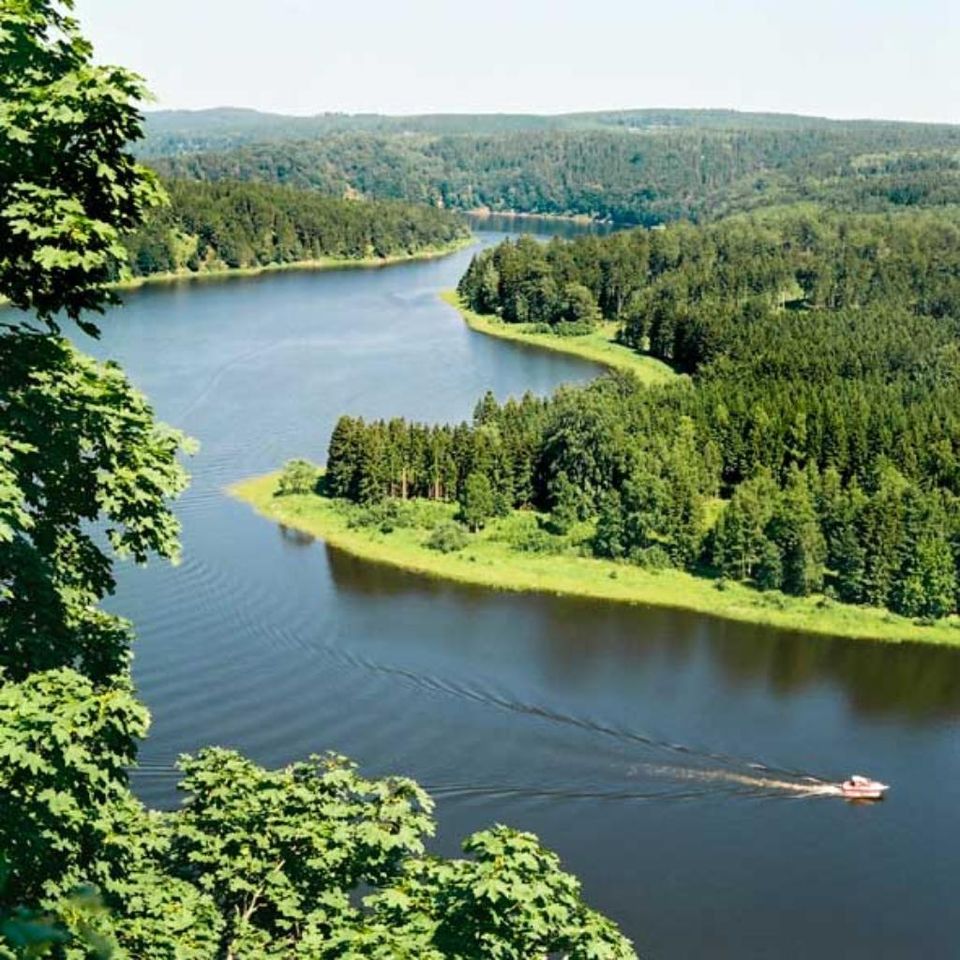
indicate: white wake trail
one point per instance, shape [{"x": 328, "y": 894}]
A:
[{"x": 796, "y": 787}]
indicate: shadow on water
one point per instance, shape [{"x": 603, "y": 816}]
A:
[
  {"x": 905, "y": 680},
  {"x": 294, "y": 537}
]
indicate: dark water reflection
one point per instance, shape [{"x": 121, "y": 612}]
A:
[
  {"x": 642, "y": 744},
  {"x": 903, "y": 681}
]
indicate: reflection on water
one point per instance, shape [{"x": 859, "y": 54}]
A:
[
  {"x": 907, "y": 680},
  {"x": 624, "y": 736},
  {"x": 541, "y": 227},
  {"x": 294, "y": 537}
]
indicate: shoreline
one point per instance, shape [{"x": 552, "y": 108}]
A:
[
  {"x": 493, "y": 564},
  {"x": 323, "y": 263},
  {"x": 485, "y": 213},
  {"x": 598, "y": 347}
]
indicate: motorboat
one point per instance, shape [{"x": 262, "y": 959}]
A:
[{"x": 858, "y": 787}]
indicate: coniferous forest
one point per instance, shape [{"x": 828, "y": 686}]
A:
[
  {"x": 814, "y": 446},
  {"x": 230, "y": 224},
  {"x": 646, "y": 175}
]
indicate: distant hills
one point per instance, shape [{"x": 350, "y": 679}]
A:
[
  {"x": 223, "y": 127},
  {"x": 629, "y": 166}
]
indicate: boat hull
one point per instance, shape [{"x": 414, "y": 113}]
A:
[{"x": 872, "y": 792}]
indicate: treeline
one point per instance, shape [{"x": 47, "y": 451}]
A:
[
  {"x": 648, "y": 468},
  {"x": 757, "y": 290},
  {"x": 184, "y": 131},
  {"x": 815, "y": 448},
  {"x": 633, "y": 175},
  {"x": 231, "y": 224}
]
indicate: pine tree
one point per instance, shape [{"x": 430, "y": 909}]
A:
[
  {"x": 608, "y": 539},
  {"x": 795, "y": 530},
  {"x": 927, "y": 583},
  {"x": 769, "y": 567},
  {"x": 477, "y": 502}
]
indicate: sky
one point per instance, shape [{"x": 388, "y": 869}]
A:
[{"x": 843, "y": 58}]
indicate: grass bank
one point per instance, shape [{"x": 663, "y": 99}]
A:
[
  {"x": 599, "y": 346},
  {"x": 493, "y": 558},
  {"x": 324, "y": 263}
]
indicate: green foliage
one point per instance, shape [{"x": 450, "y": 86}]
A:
[
  {"x": 272, "y": 848},
  {"x": 740, "y": 542},
  {"x": 258, "y": 863},
  {"x": 512, "y": 901},
  {"x": 609, "y": 539},
  {"x": 68, "y": 185},
  {"x": 448, "y": 538},
  {"x": 65, "y": 810},
  {"x": 820, "y": 426},
  {"x": 634, "y": 167},
  {"x": 79, "y": 444},
  {"x": 27, "y": 934},
  {"x": 298, "y": 477},
  {"x": 769, "y": 566},
  {"x": 578, "y": 307},
  {"x": 477, "y": 501},
  {"x": 231, "y": 225},
  {"x": 567, "y": 504},
  {"x": 385, "y": 515}
]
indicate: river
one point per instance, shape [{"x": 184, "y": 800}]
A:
[{"x": 643, "y": 745}]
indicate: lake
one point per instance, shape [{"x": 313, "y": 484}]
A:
[{"x": 643, "y": 745}]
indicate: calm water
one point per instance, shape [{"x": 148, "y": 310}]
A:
[{"x": 623, "y": 736}]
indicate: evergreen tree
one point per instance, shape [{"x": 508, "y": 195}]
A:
[
  {"x": 796, "y": 532},
  {"x": 768, "y": 574},
  {"x": 567, "y": 504},
  {"x": 477, "y": 503},
  {"x": 608, "y": 539},
  {"x": 926, "y": 585}
]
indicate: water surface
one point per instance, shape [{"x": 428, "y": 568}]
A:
[{"x": 627, "y": 738}]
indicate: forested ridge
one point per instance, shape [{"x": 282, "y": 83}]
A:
[
  {"x": 184, "y": 131},
  {"x": 816, "y": 447},
  {"x": 210, "y": 226},
  {"x": 645, "y": 175}
]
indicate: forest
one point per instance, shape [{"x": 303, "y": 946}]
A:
[
  {"x": 186, "y": 131},
  {"x": 814, "y": 447},
  {"x": 210, "y": 226},
  {"x": 631, "y": 175}
]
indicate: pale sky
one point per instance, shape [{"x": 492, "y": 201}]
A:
[{"x": 894, "y": 59}]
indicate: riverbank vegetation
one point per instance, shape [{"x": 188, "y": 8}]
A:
[
  {"x": 247, "y": 226},
  {"x": 523, "y": 550},
  {"x": 813, "y": 450},
  {"x": 312, "y": 861},
  {"x": 599, "y": 344}
]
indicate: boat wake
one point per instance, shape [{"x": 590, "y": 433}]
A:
[{"x": 805, "y": 786}]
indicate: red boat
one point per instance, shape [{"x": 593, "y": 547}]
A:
[{"x": 863, "y": 788}]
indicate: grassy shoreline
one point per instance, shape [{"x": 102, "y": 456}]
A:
[
  {"x": 324, "y": 263},
  {"x": 488, "y": 561},
  {"x": 599, "y": 347}
]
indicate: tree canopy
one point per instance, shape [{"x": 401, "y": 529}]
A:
[
  {"x": 813, "y": 448},
  {"x": 230, "y": 224},
  {"x": 696, "y": 166}
]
